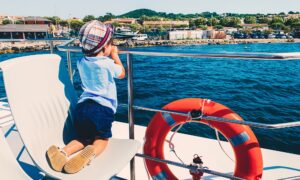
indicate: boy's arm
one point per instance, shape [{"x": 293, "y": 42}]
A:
[{"x": 115, "y": 56}]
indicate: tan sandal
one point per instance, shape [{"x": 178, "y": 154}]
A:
[
  {"x": 57, "y": 159},
  {"x": 79, "y": 161}
]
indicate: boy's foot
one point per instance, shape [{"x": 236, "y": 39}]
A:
[
  {"x": 79, "y": 161},
  {"x": 57, "y": 159}
]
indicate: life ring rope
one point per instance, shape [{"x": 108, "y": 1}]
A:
[{"x": 190, "y": 119}]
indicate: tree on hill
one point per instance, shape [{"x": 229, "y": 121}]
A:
[
  {"x": 230, "y": 21},
  {"x": 263, "y": 20},
  {"x": 250, "y": 20},
  {"x": 225, "y": 21},
  {"x": 76, "y": 25},
  {"x": 218, "y": 27},
  {"x": 209, "y": 14},
  {"x": 140, "y": 12},
  {"x": 277, "y": 23},
  {"x": 200, "y": 21},
  {"x": 291, "y": 21},
  {"x": 203, "y": 27},
  {"x": 19, "y": 22},
  {"x": 135, "y": 27},
  {"x": 212, "y": 21},
  {"x": 277, "y": 19},
  {"x": 106, "y": 17},
  {"x": 54, "y": 19},
  {"x": 64, "y": 23},
  {"x": 282, "y": 14},
  {"x": 277, "y": 26},
  {"x": 6, "y": 21},
  {"x": 88, "y": 18},
  {"x": 287, "y": 29},
  {"x": 296, "y": 24},
  {"x": 116, "y": 24},
  {"x": 153, "y": 18},
  {"x": 172, "y": 16},
  {"x": 146, "y": 29}
]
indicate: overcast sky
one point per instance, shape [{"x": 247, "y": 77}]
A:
[{"x": 80, "y": 8}]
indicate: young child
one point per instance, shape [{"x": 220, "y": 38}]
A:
[{"x": 97, "y": 105}]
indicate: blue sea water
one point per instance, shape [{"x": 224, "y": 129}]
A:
[{"x": 260, "y": 91}]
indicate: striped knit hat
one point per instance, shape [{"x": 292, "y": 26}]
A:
[{"x": 93, "y": 36}]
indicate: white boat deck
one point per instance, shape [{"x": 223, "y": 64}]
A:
[{"x": 277, "y": 165}]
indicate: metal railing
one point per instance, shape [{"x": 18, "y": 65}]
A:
[
  {"x": 245, "y": 56},
  {"x": 255, "y": 56}
]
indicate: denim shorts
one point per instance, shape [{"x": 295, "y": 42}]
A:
[{"x": 92, "y": 120}]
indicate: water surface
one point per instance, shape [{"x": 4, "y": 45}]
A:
[{"x": 259, "y": 91}]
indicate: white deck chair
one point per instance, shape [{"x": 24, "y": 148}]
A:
[
  {"x": 9, "y": 167},
  {"x": 41, "y": 99}
]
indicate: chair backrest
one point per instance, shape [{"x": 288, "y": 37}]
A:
[
  {"x": 9, "y": 167},
  {"x": 41, "y": 98}
]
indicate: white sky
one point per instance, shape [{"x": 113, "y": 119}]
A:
[{"x": 80, "y": 8}]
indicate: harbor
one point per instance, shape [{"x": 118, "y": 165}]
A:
[{"x": 136, "y": 29}]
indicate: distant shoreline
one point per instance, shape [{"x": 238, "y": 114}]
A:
[
  {"x": 201, "y": 42},
  {"x": 25, "y": 46},
  {"x": 18, "y": 47}
]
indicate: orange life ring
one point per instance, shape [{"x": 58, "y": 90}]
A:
[{"x": 248, "y": 164}]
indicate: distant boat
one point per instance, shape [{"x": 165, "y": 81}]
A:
[
  {"x": 140, "y": 37},
  {"x": 124, "y": 33}
]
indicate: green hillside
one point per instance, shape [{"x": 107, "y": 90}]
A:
[
  {"x": 177, "y": 16},
  {"x": 140, "y": 12}
]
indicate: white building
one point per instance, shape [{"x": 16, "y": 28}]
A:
[{"x": 186, "y": 34}]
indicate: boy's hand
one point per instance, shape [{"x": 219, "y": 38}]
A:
[
  {"x": 114, "y": 55},
  {"x": 114, "y": 50}
]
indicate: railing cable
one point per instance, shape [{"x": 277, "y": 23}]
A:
[{"x": 219, "y": 119}]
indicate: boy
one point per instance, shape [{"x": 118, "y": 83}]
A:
[{"x": 97, "y": 105}]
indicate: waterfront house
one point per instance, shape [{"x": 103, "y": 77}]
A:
[
  {"x": 215, "y": 34},
  {"x": 292, "y": 16},
  {"x": 35, "y": 20},
  {"x": 2, "y": 17},
  {"x": 13, "y": 19},
  {"x": 196, "y": 34},
  {"x": 155, "y": 24},
  {"x": 185, "y": 34},
  {"x": 24, "y": 31},
  {"x": 122, "y": 21}
]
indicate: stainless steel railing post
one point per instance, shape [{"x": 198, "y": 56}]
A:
[
  {"x": 69, "y": 63},
  {"x": 51, "y": 47},
  {"x": 130, "y": 109}
]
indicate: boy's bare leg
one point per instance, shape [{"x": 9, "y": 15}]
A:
[
  {"x": 100, "y": 145},
  {"x": 73, "y": 147}
]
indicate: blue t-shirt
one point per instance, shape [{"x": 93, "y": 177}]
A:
[{"x": 97, "y": 76}]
